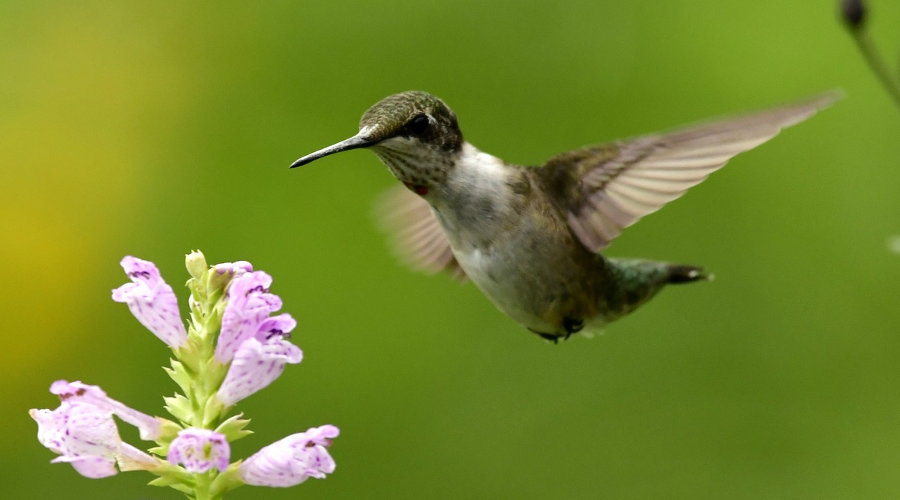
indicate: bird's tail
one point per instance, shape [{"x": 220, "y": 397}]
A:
[
  {"x": 633, "y": 282},
  {"x": 687, "y": 274},
  {"x": 639, "y": 273}
]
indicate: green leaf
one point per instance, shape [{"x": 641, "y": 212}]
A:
[
  {"x": 212, "y": 411},
  {"x": 173, "y": 482},
  {"x": 234, "y": 428},
  {"x": 179, "y": 407},
  {"x": 180, "y": 375},
  {"x": 228, "y": 480},
  {"x": 160, "y": 451}
]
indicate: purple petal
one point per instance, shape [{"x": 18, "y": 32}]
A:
[
  {"x": 67, "y": 390},
  {"x": 236, "y": 268},
  {"x": 91, "y": 394},
  {"x": 322, "y": 435},
  {"x": 291, "y": 460},
  {"x": 256, "y": 365},
  {"x": 275, "y": 325},
  {"x": 91, "y": 467},
  {"x": 86, "y": 436},
  {"x": 81, "y": 434},
  {"x": 199, "y": 450},
  {"x": 249, "y": 304},
  {"x": 151, "y": 301}
]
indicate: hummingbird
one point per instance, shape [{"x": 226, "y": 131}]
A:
[{"x": 530, "y": 237}]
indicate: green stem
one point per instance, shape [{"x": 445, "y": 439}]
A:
[
  {"x": 876, "y": 63},
  {"x": 199, "y": 374},
  {"x": 226, "y": 481},
  {"x": 206, "y": 373},
  {"x": 202, "y": 487}
]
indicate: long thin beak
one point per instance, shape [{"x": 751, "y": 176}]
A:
[{"x": 355, "y": 142}]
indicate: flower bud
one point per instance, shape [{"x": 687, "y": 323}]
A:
[
  {"x": 196, "y": 265},
  {"x": 854, "y": 13}
]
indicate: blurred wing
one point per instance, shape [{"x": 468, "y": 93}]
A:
[
  {"x": 415, "y": 233},
  {"x": 624, "y": 181}
]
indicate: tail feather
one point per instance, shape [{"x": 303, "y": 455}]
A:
[
  {"x": 687, "y": 274},
  {"x": 635, "y": 281}
]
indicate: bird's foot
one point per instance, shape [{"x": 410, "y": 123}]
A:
[
  {"x": 572, "y": 325},
  {"x": 546, "y": 336}
]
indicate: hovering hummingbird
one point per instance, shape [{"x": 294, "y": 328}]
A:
[{"x": 530, "y": 237}]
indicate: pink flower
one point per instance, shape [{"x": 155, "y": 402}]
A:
[
  {"x": 249, "y": 304},
  {"x": 292, "y": 460},
  {"x": 72, "y": 392},
  {"x": 256, "y": 365},
  {"x": 199, "y": 450},
  {"x": 86, "y": 436},
  {"x": 151, "y": 301}
]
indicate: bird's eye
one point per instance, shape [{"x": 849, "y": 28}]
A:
[{"x": 418, "y": 125}]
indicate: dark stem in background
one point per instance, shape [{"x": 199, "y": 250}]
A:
[{"x": 853, "y": 13}]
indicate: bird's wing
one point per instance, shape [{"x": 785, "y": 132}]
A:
[
  {"x": 609, "y": 187},
  {"x": 416, "y": 235}
]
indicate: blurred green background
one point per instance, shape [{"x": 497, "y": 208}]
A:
[{"x": 152, "y": 129}]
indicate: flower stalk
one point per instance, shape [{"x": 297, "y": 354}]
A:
[
  {"x": 233, "y": 347},
  {"x": 855, "y": 14}
]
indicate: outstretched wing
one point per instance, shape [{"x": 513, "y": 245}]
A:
[
  {"x": 416, "y": 235},
  {"x": 610, "y": 187}
]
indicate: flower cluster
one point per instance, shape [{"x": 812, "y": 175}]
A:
[{"x": 233, "y": 346}]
